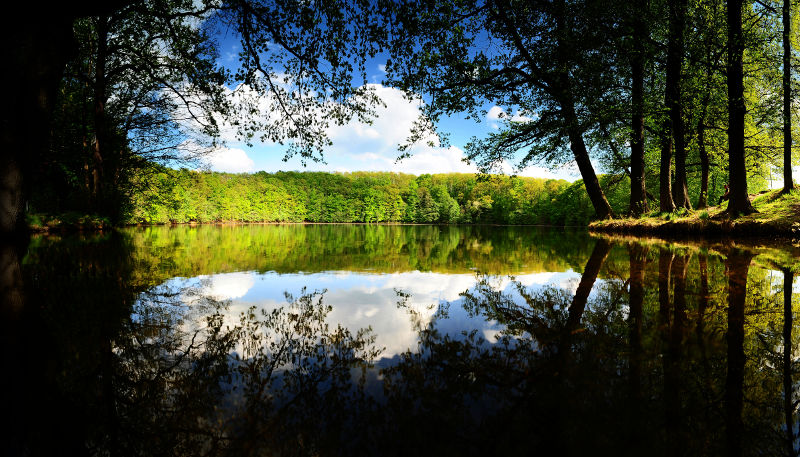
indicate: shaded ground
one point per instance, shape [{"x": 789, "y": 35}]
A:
[{"x": 777, "y": 215}]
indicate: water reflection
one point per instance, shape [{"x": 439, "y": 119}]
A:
[{"x": 630, "y": 347}]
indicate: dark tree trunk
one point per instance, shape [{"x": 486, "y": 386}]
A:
[
  {"x": 737, "y": 265},
  {"x": 673, "y": 122},
  {"x": 788, "y": 347},
  {"x": 562, "y": 92},
  {"x": 36, "y": 53},
  {"x": 99, "y": 118},
  {"x": 788, "y": 183},
  {"x": 638, "y": 202},
  {"x": 596, "y": 195},
  {"x": 739, "y": 202},
  {"x": 702, "y": 201},
  {"x": 666, "y": 204},
  {"x": 677, "y": 21}
]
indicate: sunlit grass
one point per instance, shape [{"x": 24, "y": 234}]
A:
[{"x": 776, "y": 211}]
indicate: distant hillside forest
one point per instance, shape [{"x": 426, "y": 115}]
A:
[{"x": 177, "y": 196}]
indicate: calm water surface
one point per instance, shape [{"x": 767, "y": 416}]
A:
[{"x": 398, "y": 340}]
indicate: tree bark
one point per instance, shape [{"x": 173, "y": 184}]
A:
[
  {"x": 675, "y": 50},
  {"x": 739, "y": 202},
  {"x": 601, "y": 206},
  {"x": 36, "y": 51},
  {"x": 638, "y": 202},
  {"x": 702, "y": 201},
  {"x": 788, "y": 183},
  {"x": 562, "y": 91}
]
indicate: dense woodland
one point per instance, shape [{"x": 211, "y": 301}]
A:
[
  {"x": 677, "y": 97},
  {"x": 186, "y": 196}
]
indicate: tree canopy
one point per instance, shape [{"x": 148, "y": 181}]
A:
[{"x": 677, "y": 98}]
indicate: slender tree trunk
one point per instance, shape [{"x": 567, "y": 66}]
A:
[
  {"x": 738, "y": 265},
  {"x": 788, "y": 183},
  {"x": 673, "y": 121},
  {"x": 666, "y": 204},
  {"x": 739, "y": 202},
  {"x": 675, "y": 49},
  {"x": 702, "y": 201},
  {"x": 596, "y": 195},
  {"x": 788, "y": 347},
  {"x": 638, "y": 202},
  {"x": 562, "y": 92}
]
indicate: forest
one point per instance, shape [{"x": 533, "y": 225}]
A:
[
  {"x": 170, "y": 196},
  {"x": 676, "y": 98}
]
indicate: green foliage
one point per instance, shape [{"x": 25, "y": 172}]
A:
[{"x": 180, "y": 196}]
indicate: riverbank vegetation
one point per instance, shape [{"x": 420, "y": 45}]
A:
[
  {"x": 777, "y": 213},
  {"x": 180, "y": 196}
]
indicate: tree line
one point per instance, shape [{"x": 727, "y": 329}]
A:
[{"x": 178, "y": 196}]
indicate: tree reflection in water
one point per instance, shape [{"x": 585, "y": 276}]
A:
[{"x": 659, "y": 350}]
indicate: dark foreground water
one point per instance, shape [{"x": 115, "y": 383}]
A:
[{"x": 397, "y": 340}]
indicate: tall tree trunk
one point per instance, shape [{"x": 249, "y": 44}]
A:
[
  {"x": 36, "y": 53},
  {"x": 788, "y": 183},
  {"x": 673, "y": 122},
  {"x": 675, "y": 49},
  {"x": 702, "y": 201},
  {"x": 666, "y": 204},
  {"x": 788, "y": 347},
  {"x": 737, "y": 265},
  {"x": 561, "y": 90},
  {"x": 596, "y": 195},
  {"x": 638, "y": 203},
  {"x": 739, "y": 202}
]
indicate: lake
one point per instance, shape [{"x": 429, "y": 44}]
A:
[{"x": 398, "y": 340}]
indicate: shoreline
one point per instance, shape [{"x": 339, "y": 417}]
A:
[
  {"x": 778, "y": 215},
  {"x": 99, "y": 228}
]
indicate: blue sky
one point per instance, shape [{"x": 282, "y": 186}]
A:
[{"x": 362, "y": 147}]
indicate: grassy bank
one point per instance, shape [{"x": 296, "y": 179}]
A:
[{"x": 777, "y": 215}]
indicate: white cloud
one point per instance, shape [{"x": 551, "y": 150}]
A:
[
  {"x": 372, "y": 147},
  {"x": 231, "y": 160},
  {"x": 496, "y": 114},
  {"x": 382, "y": 68},
  {"x": 435, "y": 160}
]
